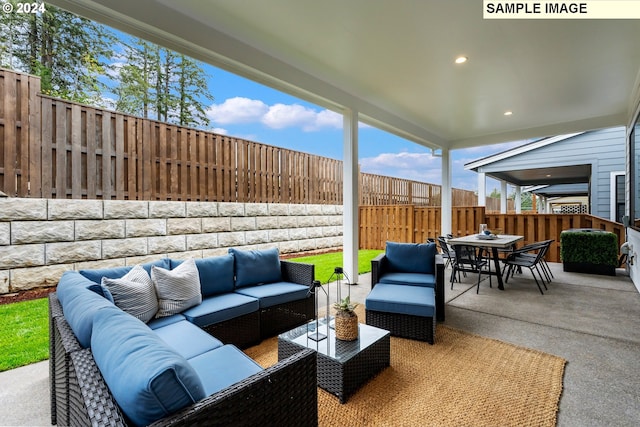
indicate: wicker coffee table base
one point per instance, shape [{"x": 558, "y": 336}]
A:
[{"x": 343, "y": 378}]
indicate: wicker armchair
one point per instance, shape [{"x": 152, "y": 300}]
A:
[
  {"x": 284, "y": 393},
  {"x": 379, "y": 267}
]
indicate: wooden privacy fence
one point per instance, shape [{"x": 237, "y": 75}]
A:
[
  {"x": 52, "y": 148},
  {"x": 408, "y": 223}
]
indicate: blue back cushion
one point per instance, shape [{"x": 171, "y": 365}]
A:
[
  {"x": 96, "y": 275},
  {"x": 411, "y": 257},
  {"x": 147, "y": 378},
  {"x": 216, "y": 274},
  {"x": 80, "y": 304},
  {"x": 256, "y": 267}
]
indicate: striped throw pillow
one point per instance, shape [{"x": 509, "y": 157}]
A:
[
  {"x": 134, "y": 293},
  {"x": 177, "y": 289}
]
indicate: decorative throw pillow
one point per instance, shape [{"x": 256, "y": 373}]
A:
[
  {"x": 134, "y": 293},
  {"x": 177, "y": 289}
]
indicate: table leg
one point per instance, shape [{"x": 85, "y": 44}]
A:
[{"x": 496, "y": 261}]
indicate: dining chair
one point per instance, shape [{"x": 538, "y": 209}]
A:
[
  {"x": 467, "y": 260},
  {"x": 529, "y": 256},
  {"x": 446, "y": 252}
]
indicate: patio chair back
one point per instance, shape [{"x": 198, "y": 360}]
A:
[
  {"x": 447, "y": 253},
  {"x": 532, "y": 257}
]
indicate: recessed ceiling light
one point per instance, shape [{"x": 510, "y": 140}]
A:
[
  {"x": 508, "y": 113},
  {"x": 548, "y": 175},
  {"x": 461, "y": 59}
]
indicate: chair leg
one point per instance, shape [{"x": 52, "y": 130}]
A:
[
  {"x": 541, "y": 278},
  {"x": 536, "y": 279}
]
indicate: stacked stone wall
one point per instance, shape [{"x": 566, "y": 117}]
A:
[{"x": 40, "y": 239}]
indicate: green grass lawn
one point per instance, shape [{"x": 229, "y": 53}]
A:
[
  {"x": 325, "y": 263},
  {"x": 24, "y": 333},
  {"x": 24, "y": 326}
]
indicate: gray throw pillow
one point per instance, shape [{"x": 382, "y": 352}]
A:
[
  {"x": 177, "y": 289},
  {"x": 134, "y": 293}
]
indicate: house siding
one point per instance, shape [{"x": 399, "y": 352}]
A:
[{"x": 603, "y": 149}]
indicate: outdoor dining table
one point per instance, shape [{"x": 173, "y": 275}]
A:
[{"x": 503, "y": 241}]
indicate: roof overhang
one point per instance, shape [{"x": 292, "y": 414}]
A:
[{"x": 561, "y": 190}]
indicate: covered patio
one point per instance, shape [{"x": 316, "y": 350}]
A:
[
  {"x": 395, "y": 66},
  {"x": 588, "y": 320}
]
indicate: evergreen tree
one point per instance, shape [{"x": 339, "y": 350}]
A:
[
  {"x": 137, "y": 79},
  {"x": 192, "y": 83},
  {"x": 67, "y": 52},
  {"x": 158, "y": 83}
]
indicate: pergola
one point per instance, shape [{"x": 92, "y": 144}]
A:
[{"x": 391, "y": 64}]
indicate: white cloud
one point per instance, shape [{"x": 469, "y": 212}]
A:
[
  {"x": 240, "y": 110},
  {"x": 415, "y": 166},
  {"x": 220, "y": 131},
  {"x": 282, "y": 116},
  {"x": 237, "y": 110}
]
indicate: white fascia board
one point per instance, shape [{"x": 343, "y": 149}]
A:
[{"x": 518, "y": 150}]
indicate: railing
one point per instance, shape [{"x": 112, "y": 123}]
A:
[
  {"x": 52, "y": 148},
  {"x": 408, "y": 223}
]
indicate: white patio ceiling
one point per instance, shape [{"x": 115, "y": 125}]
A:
[{"x": 393, "y": 61}]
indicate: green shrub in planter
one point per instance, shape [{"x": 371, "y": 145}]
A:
[{"x": 589, "y": 251}]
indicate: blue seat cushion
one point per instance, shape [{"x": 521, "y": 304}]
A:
[
  {"x": 411, "y": 257},
  {"x": 216, "y": 274},
  {"x": 219, "y": 308},
  {"x": 401, "y": 299},
  {"x": 411, "y": 279},
  {"x": 159, "y": 322},
  {"x": 80, "y": 304},
  {"x": 275, "y": 293},
  {"x": 96, "y": 275},
  {"x": 256, "y": 267},
  {"x": 187, "y": 339},
  {"x": 147, "y": 378},
  {"x": 222, "y": 367}
]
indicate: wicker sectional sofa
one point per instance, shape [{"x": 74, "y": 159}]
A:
[{"x": 108, "y": 366}]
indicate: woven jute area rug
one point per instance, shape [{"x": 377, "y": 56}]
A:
[{"x": 462, "y": 380}]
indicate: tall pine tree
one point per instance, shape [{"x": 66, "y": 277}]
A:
[
  {"x": 67, "y": 52},
  {"x": 158, "y": 83},
  {"x": 192, "y": 84}
]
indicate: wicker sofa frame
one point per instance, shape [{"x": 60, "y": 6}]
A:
[
  {"x": 284, "y": 393},
  {"x": 74, "y": 404},
  {"x": 406, "y": 325}
]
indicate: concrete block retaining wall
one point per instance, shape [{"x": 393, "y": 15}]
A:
[{"x": 42, "y": 238}]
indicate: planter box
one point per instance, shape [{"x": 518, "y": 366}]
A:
[
  {"x": 586, "y": 267},
  {"x": 589, "y": 251}
]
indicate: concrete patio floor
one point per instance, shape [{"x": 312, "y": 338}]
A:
[{"x": 591, "y": 321}]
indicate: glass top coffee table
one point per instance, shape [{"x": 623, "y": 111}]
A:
[{"x": 343, "y": 366}]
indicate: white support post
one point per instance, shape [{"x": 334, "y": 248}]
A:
[
  {"x": 350, "y": 196},
  {"x": 482, "y": 189},
  {"x": 503, "y": 197},
  {"x": 518, "y": 200},
  {"x": 445, "y": 195}
]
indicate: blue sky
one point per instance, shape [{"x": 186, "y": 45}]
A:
[{"x": 249, "y": 110}]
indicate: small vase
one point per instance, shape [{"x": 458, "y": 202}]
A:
[{"x": 346, "y": 326}]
